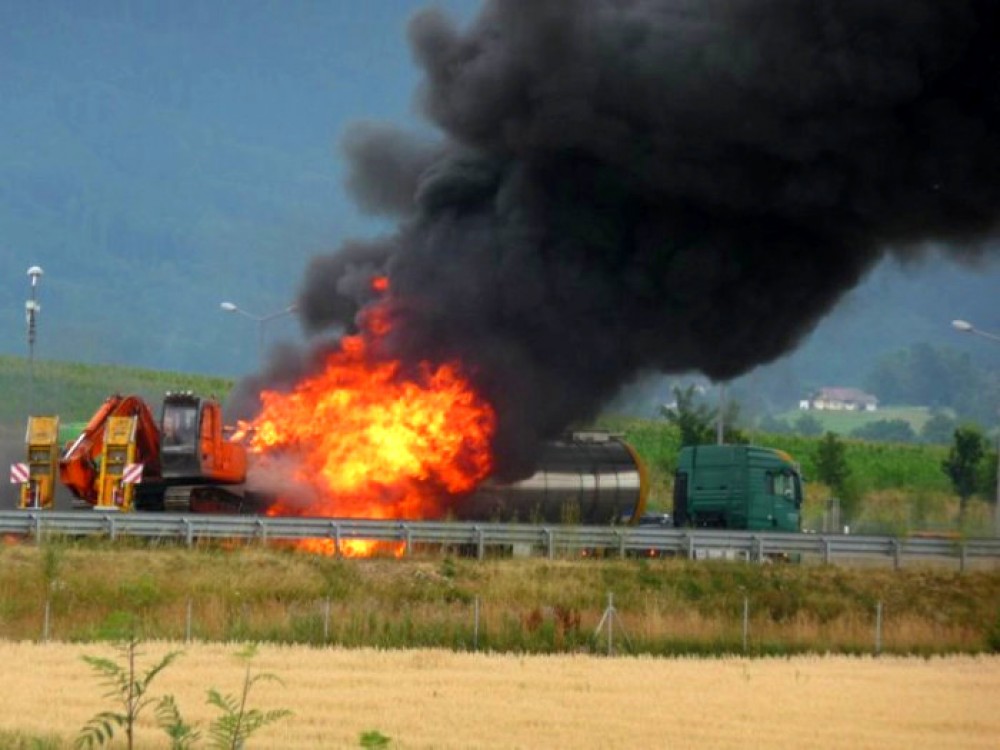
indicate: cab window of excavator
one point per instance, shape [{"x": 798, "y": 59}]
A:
[{"x": 180, "y": 426}]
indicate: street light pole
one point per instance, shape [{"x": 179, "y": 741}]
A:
[
  {"x": 965, "y": 326},
  {"x": 260, "y": 320},
  {"x": 31, "y": 310}
]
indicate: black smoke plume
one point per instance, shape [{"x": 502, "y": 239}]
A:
[{"x": 672, "y": 185}]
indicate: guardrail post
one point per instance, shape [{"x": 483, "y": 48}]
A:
[
  {"x": 621, "y": 545},
  {"x": 112, "y": 530},
  {"x": 962, "y": 558},
  {"x": 408, "y": 539},
  {"x": 336, "y": 537},
  {"x": 188, "y": 531},
  {"x": 827, "y": 551},
  {"x": 37, "y": 518},
  {"x": 897, "y": 553},
  {"x": 263, "y": 531},
  {"x": 689, "y": 543},
  {"x": 549, "y": 546},
  {"x": 480, "y": 543},
  {"x": 758, "y": 548}
]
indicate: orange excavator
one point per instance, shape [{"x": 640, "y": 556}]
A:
[{"x": 123, "y": 460}]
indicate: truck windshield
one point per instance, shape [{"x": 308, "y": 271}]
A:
[{"x": 786, "y": 485}]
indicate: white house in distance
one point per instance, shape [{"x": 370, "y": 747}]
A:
[{"x": 840, "y": 399}]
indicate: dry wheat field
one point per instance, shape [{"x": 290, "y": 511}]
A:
[{"x": 443, "y": 699}]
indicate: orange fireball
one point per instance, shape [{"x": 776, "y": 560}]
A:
[{"x": 373, "y": 441}]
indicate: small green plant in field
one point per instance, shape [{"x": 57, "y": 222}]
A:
[
  {"x": 127, "y": 689},
  {"x": 168, "y": 717},
  {"x": 373, "y": 739},
  {"x": 237, "y": 722}
]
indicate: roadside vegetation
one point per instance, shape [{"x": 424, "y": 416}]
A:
[{"x": 240, "y": 593}]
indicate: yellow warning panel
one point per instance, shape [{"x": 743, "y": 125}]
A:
[
  {"x": 119, "y": 451},
  {"x": 42, "y": 441}
]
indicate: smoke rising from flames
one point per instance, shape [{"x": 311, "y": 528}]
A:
[{"x": 631, "y": 185}]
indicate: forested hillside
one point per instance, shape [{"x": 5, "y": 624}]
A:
[{"x": 157, "y": 159}]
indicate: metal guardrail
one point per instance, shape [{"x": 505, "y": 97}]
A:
[{"x": 537, "y": 539}]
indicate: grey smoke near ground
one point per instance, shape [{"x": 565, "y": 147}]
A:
[{"x": 632, "y": 185}]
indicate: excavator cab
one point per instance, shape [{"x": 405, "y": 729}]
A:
[
  {"x": 179, "y": 455},
  {"x": 192, "y": 446}
]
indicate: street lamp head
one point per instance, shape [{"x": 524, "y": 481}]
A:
[
  {"x": 228, "y": 306},
  {"x": 34, "y": 273},
  {"x": 962, "y": 325}
]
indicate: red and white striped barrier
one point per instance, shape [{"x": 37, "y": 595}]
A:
[
  {"x": 132, "y": 474},
  {"x": 19, "y": 473}
]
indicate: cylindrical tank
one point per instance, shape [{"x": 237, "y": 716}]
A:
[{"x": 586, "y": 478}]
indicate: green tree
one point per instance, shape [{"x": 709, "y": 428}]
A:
[
  {"x": 698, "y": 423},
  {"x": 962, "y": 464},
  {"x": 808, "y": 426},
  {"x": 938, "y": 429},
  {"x": 694, "y": 420},
  {"x": 833, "y": 470},
  {"x": 831, "y": 462}
]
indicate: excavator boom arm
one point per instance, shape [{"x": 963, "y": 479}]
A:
[{"x": 78, "y": 467}]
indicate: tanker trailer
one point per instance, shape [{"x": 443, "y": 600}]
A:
[{"x": 585, "y": 478}]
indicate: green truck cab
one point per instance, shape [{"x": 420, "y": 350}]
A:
[{"x": 737, "y": 487}]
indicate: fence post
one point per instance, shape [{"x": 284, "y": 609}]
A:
[
  {"x": 326, "y": 620},
  {"x": 878, "y": 628},
  {"x": 45, "y": 620},
  {"x": 187, "y": 620},
  {"x": 611, "y": 623},
  {"x": 746, "y": 621},
  {"x": 475, "y": 624}
]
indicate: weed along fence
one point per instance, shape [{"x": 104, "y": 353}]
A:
[
  {"x": 479, "y": 539},
  {"x": 468, "y": 626}
]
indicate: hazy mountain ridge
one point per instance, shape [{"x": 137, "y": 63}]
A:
[{"x": 157, "y": 159}]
